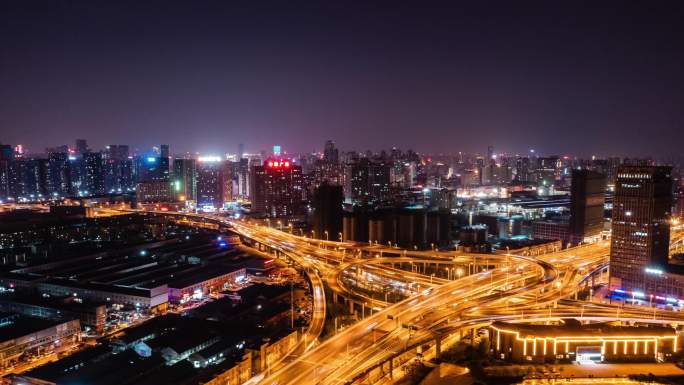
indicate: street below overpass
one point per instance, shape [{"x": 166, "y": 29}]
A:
[{"x": 502, "y": 287}]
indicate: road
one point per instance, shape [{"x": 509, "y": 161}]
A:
[{"x": 512, "y": 288}]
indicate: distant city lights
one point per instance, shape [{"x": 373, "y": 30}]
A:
[{"x": 209, "y": 158}]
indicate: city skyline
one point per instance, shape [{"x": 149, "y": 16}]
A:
[
  {"x": 204, "y": 77},
  {"x": 362, "y": 193}
]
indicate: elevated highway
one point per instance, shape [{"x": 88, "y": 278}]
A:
[{"x": 499, "y": 287}]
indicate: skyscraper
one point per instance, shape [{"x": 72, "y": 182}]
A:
[
  {"x": 640, "y": 228},
  {"x": 587, "y": 198},
  {"x": 276, "y": 188},
  {"x": 210, "y": 183}
]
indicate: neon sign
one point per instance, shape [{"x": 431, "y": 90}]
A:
[{"x": 278, "y": 163}]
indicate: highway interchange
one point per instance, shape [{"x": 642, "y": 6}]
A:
[{"x": 498, "y": 287}]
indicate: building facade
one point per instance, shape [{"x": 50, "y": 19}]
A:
[
  {"x": 640, "y": 227},
  {"x": 277, "y": 188},
  {"x": 587, "y": 198},
  {"x": 575, "y": 342}
]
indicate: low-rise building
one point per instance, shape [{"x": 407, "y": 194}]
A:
[
  {"x": 24, "y": 336},
  {"x": 199, "y": 283},
  {"x": 92, "y": 315},
  {"x": 572, "y": 341}
]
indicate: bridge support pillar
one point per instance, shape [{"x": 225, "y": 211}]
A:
[{"x": 391, "y": 367}]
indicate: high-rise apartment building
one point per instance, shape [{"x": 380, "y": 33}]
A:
[
  {"x": 59, "y": 171},
  {"x": 369, "y": 180},
  {"x": 210, "y": 183},
  {"x": 276, "y": 188},
  {"x": 640, "y": 228},
  {"x": 93, "y": 175},
  {"x": 184, "y": 184},
  {"x": 118, "y": 169}
]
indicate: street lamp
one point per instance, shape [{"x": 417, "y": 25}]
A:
[{"x": 326, "y": 235}]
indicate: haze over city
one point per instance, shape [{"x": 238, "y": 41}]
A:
[{"x": 578, "y": 78}]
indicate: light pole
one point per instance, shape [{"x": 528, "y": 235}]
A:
[{"x": 326, "y": 236}]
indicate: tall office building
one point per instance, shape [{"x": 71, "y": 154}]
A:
[
  {"x": 640, "y": 228},
  {"x": 587, "y": 198},
  {"x": 276, "y": 188},
  {"x": 184, "y": 179},
  {"x": 327, "y": 217},
  {"x": 152, "y": 168}
]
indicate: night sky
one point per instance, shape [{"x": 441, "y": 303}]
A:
[{"x": 561, "y": 77}]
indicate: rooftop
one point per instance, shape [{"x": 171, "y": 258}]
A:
[
  {"x": 572, "y": 328},
  {"x": 22, "y": 326}
]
